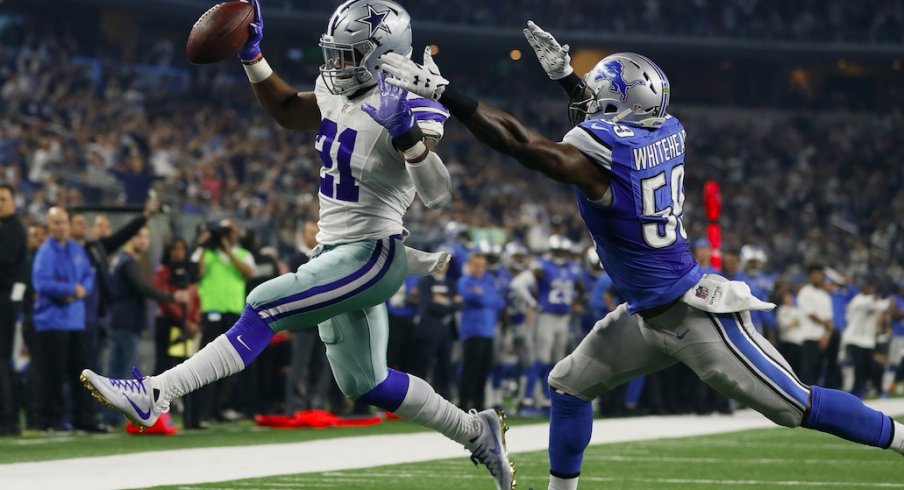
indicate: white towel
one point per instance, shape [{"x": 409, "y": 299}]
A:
[
  {"x": 422, "y": 263},
  {"x": 717, "y": 294}
]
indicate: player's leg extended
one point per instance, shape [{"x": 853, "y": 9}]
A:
[
  {"x": 614, "y": 352},
  {"x": 356, "y": 348},
  {"x": 748, "y": 368},
  {"x": 342, "y": 278}
]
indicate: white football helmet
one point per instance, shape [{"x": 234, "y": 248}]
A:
[
  {"x": 624, "y": 88},
  {"x": 358, "y": 33}
]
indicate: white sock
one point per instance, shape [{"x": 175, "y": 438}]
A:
[
  {"x": 215, "y": 361},
  {"x": 423, "y": 406},
  {"x": 556, "y": 483},
  {"x": 897, "y": 442}
]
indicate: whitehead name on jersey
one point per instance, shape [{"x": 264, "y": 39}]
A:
[
  {"x": 364, "y": 186},
  {"x": 638, "y": 233}
]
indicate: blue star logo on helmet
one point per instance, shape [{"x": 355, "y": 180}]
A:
[
  {"x": 614, "y": 71},
  {"x": 375, "y": 20}
]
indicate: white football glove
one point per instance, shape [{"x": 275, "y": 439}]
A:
[
  {"x": 423, "y": 80},
  {"x": 553, "y": 57}
]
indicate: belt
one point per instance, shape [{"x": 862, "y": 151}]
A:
[{"x": 658, "y": 310}]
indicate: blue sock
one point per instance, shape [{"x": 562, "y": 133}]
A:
[
  {"x": 389, "y": 394},
  {"x": 635, "y": 390},
  {"x": 570, "y": 426},
  {"x": 496, "y": 377},
  {"x": 844, "y": 415},
  {"x": 544, "y": 378},
  {"x": 250, "y": 335}
]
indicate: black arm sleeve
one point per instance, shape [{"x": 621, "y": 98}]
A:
[
  {"x": 124, "y": 234},
  {"x": 133, "y": 277}
]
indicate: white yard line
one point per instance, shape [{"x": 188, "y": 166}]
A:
[{"x": 187, "y": 466}]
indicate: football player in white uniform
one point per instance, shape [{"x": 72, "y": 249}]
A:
[{"x": 376, "y": 144}]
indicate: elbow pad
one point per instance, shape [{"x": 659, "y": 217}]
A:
[{"x": 432, "y": 180}]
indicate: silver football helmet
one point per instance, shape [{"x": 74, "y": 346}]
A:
[
  {"x": 358, "y": 33},
  {"x": 624, "y": 88}
]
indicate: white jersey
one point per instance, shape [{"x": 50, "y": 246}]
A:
[{"x": 364, "y": 186}]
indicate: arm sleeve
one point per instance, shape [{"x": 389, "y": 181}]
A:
[
  {"x": 43, "y": 280},
  {"x": 430, "y": 116},
  {"x": 124, "y": 234},
  {"x": 431, "y": 180},
  {"x": 133, "y": 277},
  {"x": 590, "y": 144}
]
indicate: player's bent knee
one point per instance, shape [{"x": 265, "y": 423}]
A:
[{"x": 570, "y": 375}]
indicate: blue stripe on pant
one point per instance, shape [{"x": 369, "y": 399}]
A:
[{"x": 754, "y": 356}]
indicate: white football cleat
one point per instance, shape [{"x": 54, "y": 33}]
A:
[
  {"x": 139, "y": 399},
  {"x": 489, "y": 448}
]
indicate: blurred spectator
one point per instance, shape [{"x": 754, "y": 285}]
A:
[
  {"x": 433, "y": 333},
  {"x": 481, "y": 305},
  {"x": 223, "y": 269},
  {"x": 402, "y": 308},
  {"x": 99, "y": 248},
  {"x": 62, "y": 278},
  {"x": 177, "y": 323},
  {"x": 865, "y": 320},
  {"x": 308, "y": 370},
  {"x": 13, "y": 274},
  {"x": 129, "y": 294},
  {"x": 815, "y": 306},
  {"x": 790, "y": 331},
  {"x": 37, "y": 235},
  {"x": 842, "y": 291}
]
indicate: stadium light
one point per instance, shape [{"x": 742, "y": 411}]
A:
[{"x": 515, "y": 54}]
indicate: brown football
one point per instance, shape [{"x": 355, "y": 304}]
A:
[{"x": 219, "y": 33}]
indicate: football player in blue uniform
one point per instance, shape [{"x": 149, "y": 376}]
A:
[{"x": 625, "y": 158}]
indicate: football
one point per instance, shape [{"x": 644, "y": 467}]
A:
[{"x": 219, "y": 33}]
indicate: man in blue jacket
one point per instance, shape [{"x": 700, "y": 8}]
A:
[
  {"x": 481, "y": 304},
  {"x": 62, "y": 277}
]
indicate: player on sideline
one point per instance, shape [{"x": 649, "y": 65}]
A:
[
  {"x": 626, "y": 160},
  {"x": 376, "y": 143}
]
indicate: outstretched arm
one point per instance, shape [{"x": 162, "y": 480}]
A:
[
  {"x": 498, "y": 129},
  {"x": 288, "y": 107}
]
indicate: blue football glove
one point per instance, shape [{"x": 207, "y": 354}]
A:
[
  {"x": 394, "y": 114},
  {"x": 252, "y": 48}
]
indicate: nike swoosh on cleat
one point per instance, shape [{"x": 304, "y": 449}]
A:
[
  {"x": 495, "y": 440},
  {"x": 682, "y": 334},
  {"x": 141, "y": 413}
]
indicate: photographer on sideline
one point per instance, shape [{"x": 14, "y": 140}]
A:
[{"x": 223, "y": 268}]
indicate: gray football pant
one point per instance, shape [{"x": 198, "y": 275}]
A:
[{"x": 724, "y": 350}]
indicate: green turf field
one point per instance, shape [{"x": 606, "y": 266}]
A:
[{"x": 758, "y": 459}]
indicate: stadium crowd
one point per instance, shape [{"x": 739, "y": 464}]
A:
[
  {"x": 85, "y": 127},
  {"x": 806, "y": 20}
]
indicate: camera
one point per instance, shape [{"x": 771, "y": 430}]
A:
[{"x": 216, "y": 231}]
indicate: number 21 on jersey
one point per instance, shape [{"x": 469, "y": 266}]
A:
[
  {"x": 662, "y": 197},
  {"x": 336, "y": 180}
]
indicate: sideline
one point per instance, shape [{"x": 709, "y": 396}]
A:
[{"x": 204, "y": 465}]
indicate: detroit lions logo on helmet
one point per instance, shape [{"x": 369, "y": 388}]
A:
[{"x": 613, "y": 71}]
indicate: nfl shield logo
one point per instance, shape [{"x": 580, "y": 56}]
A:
[{"x": 701, "y": 292}]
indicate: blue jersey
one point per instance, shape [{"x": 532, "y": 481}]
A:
[
  {"x": 638, "y": 233},
  {"x": 556, "y": 288}
]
